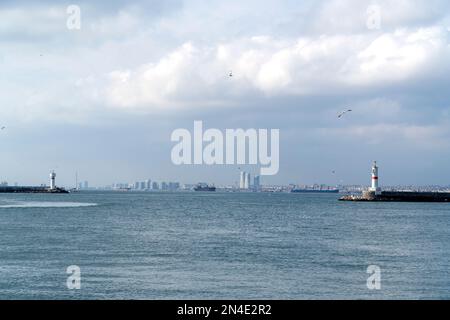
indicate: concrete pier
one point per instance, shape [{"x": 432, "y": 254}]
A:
[
  {"x": 400, "y": 196},
  {"x": 31, "y": 190}
]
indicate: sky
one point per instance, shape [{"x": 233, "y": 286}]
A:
[{"x": 104, "y": 99}]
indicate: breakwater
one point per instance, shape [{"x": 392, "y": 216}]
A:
[
  {"x": 20, "y": 189},
  {"x": 399, "y": 196}
]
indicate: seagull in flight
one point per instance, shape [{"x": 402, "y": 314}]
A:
[{"x": 344, "y": 112}]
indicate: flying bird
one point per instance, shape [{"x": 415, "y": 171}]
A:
[
  {"x": 230, "y": 74},
  {"x": 344, "y": 112}
]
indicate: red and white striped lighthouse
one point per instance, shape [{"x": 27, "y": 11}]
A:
[{"x": 375, "y": 186}]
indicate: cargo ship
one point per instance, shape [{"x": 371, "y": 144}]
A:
[
  {"x": 44, "y": 189},
  {"x": 315, "y": 191},
  {"x": 204, "y": 187},
  {"x": 375, "y": 193}
]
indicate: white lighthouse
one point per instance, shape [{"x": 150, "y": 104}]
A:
[
  {"x": 375, "y": 188},
  {"x": 52, "y": 180}
]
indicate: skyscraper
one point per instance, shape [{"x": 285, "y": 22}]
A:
[
  {"x": 257, "y": 183},
  {"x": 242, "y": 180},
  {"x": 247, "y": 181}
]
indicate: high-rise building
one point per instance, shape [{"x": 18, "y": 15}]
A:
[
  {"x": 164, "y": 186},
  {"x": 86, "y": 185},
  {"x": 155, "y": 186},
  {"x": 247, "y": 181},
  {"x": 136, "y": 185},
  {"x": 257, "y": 183},
  {"x": 174, "y": 186},
  {"x": 242, "y": 180},
  {"x": 143, "y": 184},
  {"x": 148, "y": 184}
]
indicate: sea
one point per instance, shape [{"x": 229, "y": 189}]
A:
[{"x": 214, "y": 245}]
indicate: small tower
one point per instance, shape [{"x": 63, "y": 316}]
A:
[
  {"x": 52, "y": 180},
  {"x": 375, "y": 188}
]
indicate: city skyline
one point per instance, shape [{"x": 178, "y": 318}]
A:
[
  {"x": 103, "y": 100},
  {"x": 245, "y": 182}
]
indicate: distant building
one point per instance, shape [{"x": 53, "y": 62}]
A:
[
  {"x": 164, "y": 186},
  {"x": 174, "y": 186},
  {"x": 155, "y": 186},
  {"x": 86, "y": 185},
  {"x": 142, "y": 185},
  {"x": 136, "y": 185},
  {"x": 242, "y": 180},
  {"x": 148, "y": 184},
  {"x": 257, "y": 183},
  {"x": 247, "y": 181}
]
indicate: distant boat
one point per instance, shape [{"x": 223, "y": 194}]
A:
[
  {"x": 315, "y": 191},
  {"x": 125, "y": 189},
  {"x": 204, "y": 187}
]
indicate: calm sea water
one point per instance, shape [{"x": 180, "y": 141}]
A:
[{"x": 220, "y": 246}]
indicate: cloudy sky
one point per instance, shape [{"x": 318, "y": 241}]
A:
[{"x": 104, "y": 100}]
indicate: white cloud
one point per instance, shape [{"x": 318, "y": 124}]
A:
[
  {"x": 401, "y": 55},
  {"x": 196, "y": 75},
  {"x": 124, "y": 61}
]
